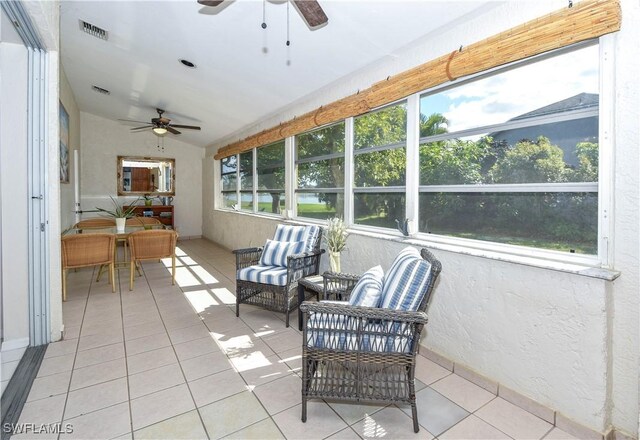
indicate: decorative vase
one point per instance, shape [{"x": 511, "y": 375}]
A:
[
  {"x": 120, "y": 224},
  {"x": 334, "y": 261}
]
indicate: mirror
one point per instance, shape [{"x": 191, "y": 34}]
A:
[{"x": 146, "y": 175}]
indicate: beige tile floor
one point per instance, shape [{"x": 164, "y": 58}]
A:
[{"x": 169, "y": 361}]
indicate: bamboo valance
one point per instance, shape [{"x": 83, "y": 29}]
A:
[{"x": 585, "y": 20}]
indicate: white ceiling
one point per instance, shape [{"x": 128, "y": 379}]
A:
[{"x": 242, "y": 73}]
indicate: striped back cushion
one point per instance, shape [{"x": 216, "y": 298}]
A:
[
  {"x": 275, "y": 253},
  {"x": 368, "y": 290},
  {"x": 307, "y": 234},
  {"x": 406, "y": 282}
]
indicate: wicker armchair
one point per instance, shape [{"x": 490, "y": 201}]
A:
[
  {"x": 84, "y": 250},
  {"x": 363, "y": 354},
  {"x": 152, "y": 244},
  {"x": 274, "y": 288}
]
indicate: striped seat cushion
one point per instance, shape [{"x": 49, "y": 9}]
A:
[
  {"x": 274, "y": 275},
  {"x": 307, "y": 234},
  {"x": 406, "y": 282},
  {"x": 368, "y": 289},
  {"x": 275, "y": 253}
]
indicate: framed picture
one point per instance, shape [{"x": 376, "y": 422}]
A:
[{"x": 64, "y": 145}]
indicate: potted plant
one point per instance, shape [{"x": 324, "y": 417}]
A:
[
  {"x": 119, "y": 213},
  {"x": 148, "y": 200},
  {"x": 336, "y": 240}
]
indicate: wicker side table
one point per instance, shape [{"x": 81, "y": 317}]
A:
[{"x": 328, "y": 286}]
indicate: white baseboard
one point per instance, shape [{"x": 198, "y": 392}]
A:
[{"x": 14, "y": 344}]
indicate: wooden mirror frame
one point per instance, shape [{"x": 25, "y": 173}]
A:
[{"x": 120, "y": 176}]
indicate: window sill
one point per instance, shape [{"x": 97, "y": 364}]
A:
[
  {"x": 532, "y": 261},
  {"x": 576, "y": 268}
]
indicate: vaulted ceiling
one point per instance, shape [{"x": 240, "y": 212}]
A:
[{"x": 243, "y": 72}]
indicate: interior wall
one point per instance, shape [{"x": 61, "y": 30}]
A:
[
  {"x": 67, "y": 208},
  {"x": 13, "y": 198},
  {"x": 567, "y": 341},
  {"x": 103, "y": 140},
  {"x": 626, "y": 239}
]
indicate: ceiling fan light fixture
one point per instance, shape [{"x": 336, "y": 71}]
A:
[{"x": 160, "y": 131}]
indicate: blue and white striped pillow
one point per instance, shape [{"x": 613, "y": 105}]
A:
[
  {"x": 405, "y": 284},
  {"x": 275, "y": 253},
  {"x": 307, "y": 234},
  {"x": 368, "y": 289}
]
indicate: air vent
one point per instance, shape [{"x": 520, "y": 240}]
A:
[
  {"x": 94, "y": 30},
  {"x": 100, "y": 90}
]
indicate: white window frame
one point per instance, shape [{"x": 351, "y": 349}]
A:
[
  {"x": 412, "y": 188},
  {"x": 256, "y": 180},
  {"x": 297, "y": 161},
  {"x": 395, "y": 189}
]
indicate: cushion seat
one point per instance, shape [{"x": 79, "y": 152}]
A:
[{"x": 275, "y": 275}]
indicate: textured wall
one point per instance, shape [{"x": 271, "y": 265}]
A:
[
  {"x": 103, "y": 140},
  {"x": 625, "y": 242},
  {"x": 67, "y": 208},
  {"x": 567, "y": 341}
]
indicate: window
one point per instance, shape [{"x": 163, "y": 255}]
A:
[
  {"x": 380, "y": 166},
  {"x": 229, "y": 174},
  {"x": 508, "y": 157},
  {"x": 270, "y": 172},
  {"x": 320, "y": 172},
  {"x": 246, "y": 181},
  {"x": 513, "y": 157}
]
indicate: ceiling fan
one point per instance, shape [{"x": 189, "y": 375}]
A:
[
  {"x": 161, "y": 125},
  {"x": 309, "y": 10}
]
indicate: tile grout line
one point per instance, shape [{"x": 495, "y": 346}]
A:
[
  {"x": 269, "y": 416},
  {"x": 126, "y": 362},
  {"x": 66, "y": 398},
  {"x": 177, "y": 358}
]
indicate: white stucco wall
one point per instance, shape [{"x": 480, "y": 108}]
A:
[
  {"x": 567, "y": 341},
  {"x": 67, "y": 215},
  {"x": 103, "y": 140},
  {"x": 625, "y": 352}
]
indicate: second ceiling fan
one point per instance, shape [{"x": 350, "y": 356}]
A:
[
  {"x": 310, "y": 11},
  {"x": 161, "y": 125}
]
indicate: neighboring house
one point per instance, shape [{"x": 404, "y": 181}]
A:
[{"x": 565, "y": 134}]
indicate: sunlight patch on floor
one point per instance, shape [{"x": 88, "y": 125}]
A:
[
  {"x": 185, "y": 278},
  {"x": 250, "y": 362},
  {"x": 372, "y": 429},
  {"x": 188, "y": 260},
  {"x": 204, "y": 276},
  {"x": 224, "y": 295},
  {"x": 200, "y": 300}
]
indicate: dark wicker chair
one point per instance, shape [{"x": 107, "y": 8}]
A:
[
  {"x": 367, "y": 354},
  {"x": 279, "y": 298}
]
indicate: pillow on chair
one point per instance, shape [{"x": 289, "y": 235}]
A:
[
  {"x": 368, "y": 290},
  {"x": 405, "y": 284},
  {"x": 307, "y": 234},
  {"x": 275, "y": 253}
]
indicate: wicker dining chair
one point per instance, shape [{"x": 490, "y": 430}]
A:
[
  {"x": 274, "y": 287},
  {"x": 84, "y": 250},
  {"x": 368, "y": 354},
  {"x": 137, "y": 221},
  {"x": 142, "y": 221},
  {"x": 152, "y": 244},
  {"x": 96, "y": 222}
]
